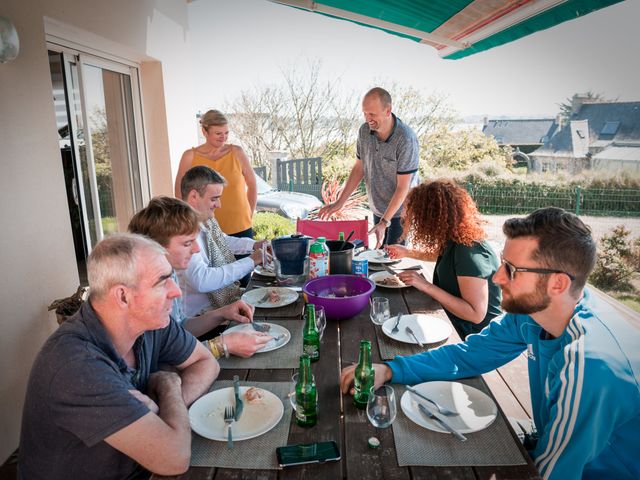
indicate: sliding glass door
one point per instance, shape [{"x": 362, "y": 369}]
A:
[{"x": 101, "y": 144}]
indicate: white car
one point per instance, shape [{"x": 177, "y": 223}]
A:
[{"x": 288, "y": 204}]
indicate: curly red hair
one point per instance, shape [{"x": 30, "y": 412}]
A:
[{"x": 439, "y": 211}]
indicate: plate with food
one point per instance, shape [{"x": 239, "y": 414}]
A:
[
  {"x": 376, "y": 256},
  {"x": 262, "y": 410},
  {"x": 265, "y": 271},
  {"x": 270, "y": 297},
  {"x": 475, "y": 409},
  {"x": 427, "y": 328},
  {"x": 387, "y": 280},
  {"x": 280, "y": 334}
]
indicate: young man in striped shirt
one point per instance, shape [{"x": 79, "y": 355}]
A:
[{"x": 584, "y": 360}]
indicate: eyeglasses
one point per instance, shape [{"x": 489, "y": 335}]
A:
[{"x": 512, "y": 269}]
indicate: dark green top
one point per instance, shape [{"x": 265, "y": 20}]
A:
[{"x": 478, "y": 260}]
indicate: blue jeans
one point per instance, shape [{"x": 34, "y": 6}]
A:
[
  {"x": 393, "y": 233},
  {"x": 248, "y": 233}
]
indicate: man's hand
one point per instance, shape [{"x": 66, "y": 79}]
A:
[
  {"x": 397, "y": 251},
  {"x": 256, "y": 256},
  {"x": 151, "y": 405},
  {"x": 382, "y": 374},
  {"x": 238, "y": 311},
  {"x": 245, "y": 344},
  {"x": 326, "y": 212},
  {"x": 415, "y": 279},
  {"x": 379, "y": 229}
]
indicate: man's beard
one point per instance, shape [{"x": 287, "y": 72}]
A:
[{"x": 529, "y": 303}]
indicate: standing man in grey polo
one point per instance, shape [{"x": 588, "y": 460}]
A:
[{"x": 387, "y": 160}]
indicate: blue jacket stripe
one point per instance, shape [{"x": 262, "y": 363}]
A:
[
  {"x": 571, "y": 378},
  {"x": 578, "y": 371}
]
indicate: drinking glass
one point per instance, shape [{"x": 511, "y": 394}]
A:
[
  {"x": 381, "y": 406},
  {"x": 292, "y": 393},
  {"x": 267, "y": 259},
  {"x": 380, "y": 312},
  {"x": 321, "y": 320}
]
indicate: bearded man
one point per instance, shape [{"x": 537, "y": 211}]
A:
[{"x": 583, "y": 356}]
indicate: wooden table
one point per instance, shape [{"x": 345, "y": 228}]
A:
[{"x": 339, "y": 420}]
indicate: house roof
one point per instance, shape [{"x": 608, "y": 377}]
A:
[
  {"x": 521, "y": 131},
  {"x": 623, "y": 153},
  {"x": 598, "y": 115}
]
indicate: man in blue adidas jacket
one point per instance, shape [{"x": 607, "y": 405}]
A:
[{"x": 584, "y": 359}]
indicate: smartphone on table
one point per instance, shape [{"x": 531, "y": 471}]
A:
[{"x": 320, "y": 452}]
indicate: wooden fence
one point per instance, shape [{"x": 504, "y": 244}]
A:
[{"x": 300, "y": 175}]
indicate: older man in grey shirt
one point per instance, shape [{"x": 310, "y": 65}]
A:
[{"x": 387, "y": 160}]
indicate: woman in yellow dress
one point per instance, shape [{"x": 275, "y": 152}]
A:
[{"x": 240, "y": 194}]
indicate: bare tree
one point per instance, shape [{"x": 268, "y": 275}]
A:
[{"x": 306, "y": 115}]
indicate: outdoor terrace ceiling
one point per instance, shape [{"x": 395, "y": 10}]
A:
[{"x": 456, "y": 28}]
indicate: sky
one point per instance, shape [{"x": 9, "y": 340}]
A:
[{"x": 241, "y": 43}]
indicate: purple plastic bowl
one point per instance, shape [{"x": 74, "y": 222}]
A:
[{"x": 342, "y": 296}]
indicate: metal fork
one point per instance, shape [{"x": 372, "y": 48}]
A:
[
  {"x": 442, "y": 409},
  {"x": 260, "y": 327},
  {"x": 395, "y": 328},
  {"x": 229, "y": 414}
]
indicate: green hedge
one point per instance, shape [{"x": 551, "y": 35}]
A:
[
  {"x": 270, "y": 225},
  {"x": 520, "y": 198}
]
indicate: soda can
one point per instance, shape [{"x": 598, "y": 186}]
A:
[{"x": 360, "y": 267}]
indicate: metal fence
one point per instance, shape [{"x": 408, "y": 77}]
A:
[
  {"x": 300, "y": 175},
  {"x": 305, "y": 175},
  {"x": 523, "y": 199}
]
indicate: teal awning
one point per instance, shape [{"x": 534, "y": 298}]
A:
[{"x": 456, "y": 28}]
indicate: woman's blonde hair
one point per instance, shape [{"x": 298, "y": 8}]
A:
[{"x": 213, "y": 118}]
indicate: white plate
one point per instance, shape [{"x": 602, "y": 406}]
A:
[
  {"x": 375, "y": 256},
  {"x": 275, "y": 330},
  {"x": 476, "y": 409},
  {"x": 253, "y": 297},
  {"x": 206, "y": 415},
  {"x": 428, "y": 329},
  {"x": 265, "y": 273},
  {"x": 379, "y": 277}
]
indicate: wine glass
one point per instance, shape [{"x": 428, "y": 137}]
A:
[
  {"x": 380, "y": 312},
  {"x": 321, "y": 320},
  {"x": 381, "y": 406}
]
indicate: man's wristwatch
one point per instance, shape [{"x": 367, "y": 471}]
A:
[{"x": 385, "y": 222}]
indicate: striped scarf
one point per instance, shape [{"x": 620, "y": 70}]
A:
[{"x": 220, "y": 255}]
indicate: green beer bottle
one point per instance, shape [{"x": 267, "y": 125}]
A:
[
  {"x": 306, "y": 395},
  {"x": 341, "y": 236},
  {"x": 311, "y": 336},
  {"x": 364, "y": 375}
]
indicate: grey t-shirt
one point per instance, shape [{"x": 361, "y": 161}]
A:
[
  {"x": 78, "y": 394},
  {"x": 382, "y": 161}
]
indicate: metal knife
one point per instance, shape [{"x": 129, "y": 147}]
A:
[
  {"x": 389, "y": 269},
  {"x": 236, "y": 391},
  {"x": 427, "y": 412},
  {"x": 410, "y": 333}
]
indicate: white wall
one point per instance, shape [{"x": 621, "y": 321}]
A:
[{"x": 36, "y": 246}]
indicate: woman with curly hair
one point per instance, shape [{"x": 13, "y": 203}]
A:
[{"x": 443, "y": 224}]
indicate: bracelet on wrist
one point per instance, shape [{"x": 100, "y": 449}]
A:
[
  {"x": 214, "y": 349},
  {"x": 224, "y": 347}
]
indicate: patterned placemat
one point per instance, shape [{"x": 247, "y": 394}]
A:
[
  {"x": 416, "y": 445},
  {"x": 390, "y": 348},
  {"x": 284, "y": 357},
  {"x": 254, "y": 454}
]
